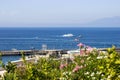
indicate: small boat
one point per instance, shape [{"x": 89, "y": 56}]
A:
[
  {"x": 76, "y": 40},
  {"x": 73, "y": 51},
  {"x": 13, "y": 49},
  {"x": 67, "y": 35}
]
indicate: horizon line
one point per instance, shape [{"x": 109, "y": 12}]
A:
[{"x": 63, "y": 27}]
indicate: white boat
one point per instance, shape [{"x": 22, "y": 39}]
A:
[
  {"x": 67, "y": 35},
  {"x": 13, "y": 49},
  {"x": 73, "y": 51}
]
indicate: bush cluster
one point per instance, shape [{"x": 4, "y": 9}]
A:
[{"x": 94, "y": 66}]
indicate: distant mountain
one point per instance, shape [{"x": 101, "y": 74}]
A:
[{"x": 105, "y": 22}]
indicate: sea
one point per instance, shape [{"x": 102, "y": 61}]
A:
[{"x": 56, "y": 38}]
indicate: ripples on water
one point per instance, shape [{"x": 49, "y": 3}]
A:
[{"x": 26, "y": 38}]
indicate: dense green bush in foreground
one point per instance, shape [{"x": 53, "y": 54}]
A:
[{"x": 95, "y": 66}]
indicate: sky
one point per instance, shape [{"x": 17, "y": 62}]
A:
[{"x": 53, "y": 13}]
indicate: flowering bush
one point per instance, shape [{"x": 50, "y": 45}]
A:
[{"x": 94, "y": 66}]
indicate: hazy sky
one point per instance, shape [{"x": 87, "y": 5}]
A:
[{"x": 26, "y": 13}]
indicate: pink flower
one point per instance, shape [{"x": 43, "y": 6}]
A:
[
  {"x": 80, "y": 45},
  {"x": 77, "y": 68},
  {"x": 62, "y": 66},
  {"x": 89, "y": 49},
  {"x": 87, "y": 52},
  {"x": 82, "y": 52}
]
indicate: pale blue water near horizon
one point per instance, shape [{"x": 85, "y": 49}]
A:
[{"x": 26, "y": 38}]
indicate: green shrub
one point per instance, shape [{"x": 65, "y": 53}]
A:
[{"x": 94, "y": 66}]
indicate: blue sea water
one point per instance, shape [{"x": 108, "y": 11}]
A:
[{"x": 27, "y": 38}]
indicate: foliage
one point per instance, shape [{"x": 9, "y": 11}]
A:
[
  {"x": 10, "y": 68},
  {"x": 94, "y": 66}
]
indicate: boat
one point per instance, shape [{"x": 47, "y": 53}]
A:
[
  {"x": 76, "y": 40},
  {"x": 74, "y": 51},
  {"x": 67, "y": 35}
]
